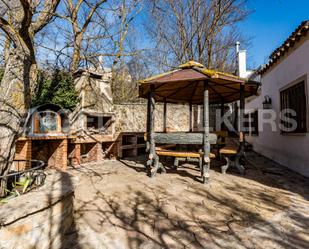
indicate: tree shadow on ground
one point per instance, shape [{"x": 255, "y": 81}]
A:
[{"x": 180, "y": 213}]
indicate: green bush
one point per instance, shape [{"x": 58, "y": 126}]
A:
[{"x": 57, "y": 88}]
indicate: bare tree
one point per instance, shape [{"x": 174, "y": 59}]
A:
[
  {"x": 20, "y": 20},
  {"x": 200, "y": 30},
  {"x": 75, "y": 11},
  {"x": 92, "y": 31}
]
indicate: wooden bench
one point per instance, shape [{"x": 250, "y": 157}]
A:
[
  {"x": 182, "y": 154},
  {"x": 230, "y": 154},
  {"x": 221, "y": 140},
  {"x": 166, "y": 147}
]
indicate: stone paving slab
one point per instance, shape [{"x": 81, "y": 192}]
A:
[{"x": 118, "y": 206}]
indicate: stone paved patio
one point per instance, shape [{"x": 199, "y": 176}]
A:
[{"x": 118, "y": 206}]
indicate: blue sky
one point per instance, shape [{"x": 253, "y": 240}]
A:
[{"x": 270, "y": 24}]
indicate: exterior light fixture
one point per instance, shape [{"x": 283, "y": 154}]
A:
[{"x": 267, "y": 102}]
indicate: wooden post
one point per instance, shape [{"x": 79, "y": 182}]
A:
[
  {"x": 222, "y": 114},
  {"x": 148, "y": 116},
  {"x": 164, "y": 115},
  {"x": 153, "y": 164},
  {"x": 151, "y": 122},
  {"x": 191, "y": 118},
  {"x": 241, "y": 119},
  {"x": 241, "y": 151},
  {"x": 206, "y": 145}
]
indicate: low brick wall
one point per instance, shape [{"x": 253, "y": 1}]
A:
[{"x": 39, "y": 219}]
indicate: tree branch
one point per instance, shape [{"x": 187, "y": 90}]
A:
[
  {"x": 45, "y": 16},
  {"x": 13, "y": 35},
  {"x": 92, "y": 11}
]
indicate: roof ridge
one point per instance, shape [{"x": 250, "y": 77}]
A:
[{"x": 299, "y": 32}]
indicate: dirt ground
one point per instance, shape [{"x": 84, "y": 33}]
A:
[{"x": 118, "y": 207}]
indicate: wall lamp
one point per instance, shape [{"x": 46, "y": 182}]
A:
[{"x": 267, "y": 102}]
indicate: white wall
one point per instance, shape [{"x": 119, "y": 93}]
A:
[{"x": 290, "y": 150}]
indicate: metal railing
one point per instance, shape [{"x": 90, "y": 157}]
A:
[
  {"x": 40, "y": 166},
  {"x": 33, "y": 178}
]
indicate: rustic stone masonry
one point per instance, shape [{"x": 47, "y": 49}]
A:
[
  {"x": 41, "y": 218},
  {"x": 132, "y": 117},
  {"x": 61, "y": 151}
]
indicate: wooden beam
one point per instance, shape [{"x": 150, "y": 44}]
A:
[
  {"x": 179, "y": 90},
  {"x": 151, "y": 122},
  {"x": 191, "y": 117},
  {"x": 183, "y": 138},
  {"x": 222, "y": 113},
  {"x": 148, "y": 114},
  {"x": 164, "y": 115},
  {"x": 206, "y": 144},
  {"x": 241, "y": 119}
]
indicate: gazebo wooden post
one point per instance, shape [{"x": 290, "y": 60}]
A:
[
  {"x": 222, "y": 114},
  {"x": 190, "y": 118},
  {"x": 241, "y": 151},
  {"x": 151, "y": 123},
  {"x": 206, "y": 144},
  {"x": 149, "y": 162},
  {"x": 241, "y": 119},
  {"x": 153, "y": 163},
  {"x": 164, "y": 115},
  {"x": 148, "y": 116}
]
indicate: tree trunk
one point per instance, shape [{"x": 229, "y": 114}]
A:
[
  {"x": 15, "y": 98},
  {"x": 76, "y": 52}
]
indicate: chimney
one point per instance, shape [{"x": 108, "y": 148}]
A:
[
  {"x": 241, "y": 61},
  {"x": 101, "y": 62}
]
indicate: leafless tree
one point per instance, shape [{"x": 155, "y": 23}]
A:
[
  {"x": 200, "y": 30},
  {"x": 91, "y": 32},
  {"x": 20, "y": 20}
]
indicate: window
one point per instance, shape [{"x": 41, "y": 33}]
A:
[
  {"x": 98, "y": 122},
  {"x": 294, "y": 98},
  {"x": 251, "y": 123}
]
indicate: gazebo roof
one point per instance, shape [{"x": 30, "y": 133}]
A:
[{"x": 185, "y": 84}]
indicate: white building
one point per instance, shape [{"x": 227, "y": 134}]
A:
[{"x": 285, "y": 85}]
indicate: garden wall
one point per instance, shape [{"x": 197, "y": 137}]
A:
[
  {"x": 132, "y": 117},
  {"x": 40, "y": 218}
]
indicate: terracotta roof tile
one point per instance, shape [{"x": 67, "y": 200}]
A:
[{"x": 300, "y": 31}]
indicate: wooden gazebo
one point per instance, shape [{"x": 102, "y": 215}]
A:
[{"x": 194, "y": 84}]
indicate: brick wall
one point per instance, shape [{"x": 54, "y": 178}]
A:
[
  {"x": 52, "y": 152},
  {"x": 91, "y": 152},
  {"x": 23, "y": 155}
]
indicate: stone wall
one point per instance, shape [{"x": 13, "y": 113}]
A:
[
  {"x": 132, "y": 117},
  {"x": 40, "y": 218}
]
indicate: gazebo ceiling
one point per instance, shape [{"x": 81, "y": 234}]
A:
[{"x": 186, "y": 85}]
